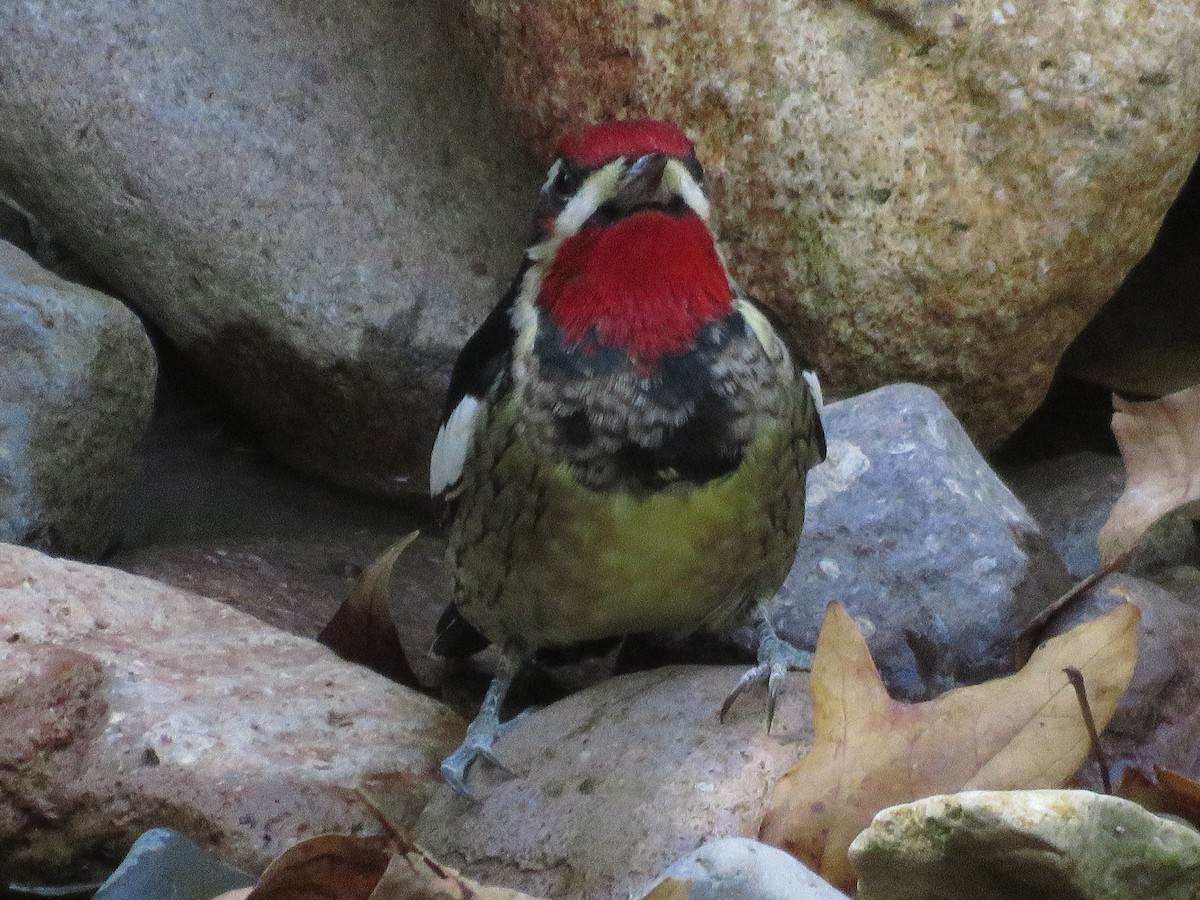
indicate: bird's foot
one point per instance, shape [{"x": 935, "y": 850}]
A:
[
  {"x": 478, "y": 745},
  {"x": 775, "y": 657},
  {"x": 484, "y": 730}
]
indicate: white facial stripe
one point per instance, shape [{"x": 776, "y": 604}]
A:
[
  {"x": 760, "y": 326},
  {"x": 678, "y": 180},
  {"x": 524, "y": 314},
  {"x": 599, "y": 187},
  {"x": 553, "y": 173}
]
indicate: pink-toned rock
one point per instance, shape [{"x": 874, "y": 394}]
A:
[
  {"x": 616, "y": 782},
  {"x": 938, "y": 192},
  {"x": 128, "y": 705}
]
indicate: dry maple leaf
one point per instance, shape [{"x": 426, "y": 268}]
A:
[
  {"x": 362, "y": 629},
  {"x": 871, "y": 752},
  {"x": 382, "y": 867},
  {"x": 1160, "y": 446}
]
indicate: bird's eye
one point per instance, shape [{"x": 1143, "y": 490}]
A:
[{"x": 568, "y": 179}]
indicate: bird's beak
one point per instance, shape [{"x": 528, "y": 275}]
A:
[{"x": 642, "y": 182}]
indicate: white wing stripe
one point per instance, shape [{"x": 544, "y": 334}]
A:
[
  {"x": 452, "y": 445},
  {"x": 815, "y": 387}
]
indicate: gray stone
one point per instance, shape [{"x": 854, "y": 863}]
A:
[
  {"x": 315, "y": 201},
  {"x": 129, "y": 705},
  {"x": 1025, "y": 845},
  {"x": 742, "y": 869},
  {"x": 76, "y": 392},
  {"x": 164, "y": 863},
  {"x": 1072, "y": 496},
  {"x": 909, "y": 528},
  {"x": 616, "y": 782}
]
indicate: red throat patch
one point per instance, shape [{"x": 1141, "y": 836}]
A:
[{"x": 646, "y": 284}]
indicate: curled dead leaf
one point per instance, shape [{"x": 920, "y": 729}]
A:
[
  {"x": 1168, "y": 792},
  {"x": 1160, "y": 446},
  {"x": 871, "y": 752},
  {"x": 381, "y": 867},
  {"x": 362, "y": 629},
  {"x": 327, "y": 867}
]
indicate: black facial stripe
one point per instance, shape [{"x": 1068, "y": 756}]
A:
[
  {"x": 570, "y": 178},
  {"x": 692, "y": 164}
]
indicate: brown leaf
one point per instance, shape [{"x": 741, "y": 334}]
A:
[
  {"x": 362, "y": 629},
  {"x": 383, "y": 867},
  {"x": 871, "y": 752},
  {"x": 1168, "y": 792},
  {"x": 327, "y": 867},
  {"x": 1160, "y": 446}
]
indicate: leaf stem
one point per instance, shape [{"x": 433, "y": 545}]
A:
[{"x": 1076, "y": 679}]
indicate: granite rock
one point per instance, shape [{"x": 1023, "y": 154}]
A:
[
  {"x": 934, "y": 192},
  {"x": 132, "y": 705},
  {"x": 316, "y": 201},
  {"x": 616, "y": 782},
  {"x": 910, "y": 529},
  {"x": 1025, "y": 845}
]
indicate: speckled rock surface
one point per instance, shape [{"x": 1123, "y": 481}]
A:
[
  {"x": 942, "y": 193},
  {"x": 1031, "y": 845},
  {"x": 742, "y": 869},
  {"x": 908, "y": 526},
  {"x": 616, "y": 782},
  {"x": 131, "y": 705},
  {"x": 296, "y": 584},
  {"x": 76, "y": 391},
  {"x": 316, "y": 201}
]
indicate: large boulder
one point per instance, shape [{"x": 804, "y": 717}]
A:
[
  {"x": 316, "y": 201},
  {"x": 936, "y": 192},
  {"x": 77, "y": 379},
  {"x": 130, "y": 705}
]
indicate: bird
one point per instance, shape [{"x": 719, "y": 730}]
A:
[{"x": 626, "y": 438}]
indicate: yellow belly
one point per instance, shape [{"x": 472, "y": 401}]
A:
[{"x": 543, "y": 560}]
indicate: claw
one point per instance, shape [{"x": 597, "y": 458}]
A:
[
  {"x": 455, "y": 766},
  {"x": 483, "y": 731},
  {"x": 775, "y": 657}
]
